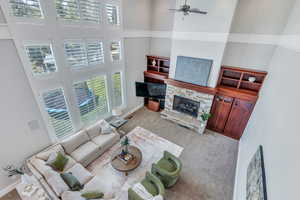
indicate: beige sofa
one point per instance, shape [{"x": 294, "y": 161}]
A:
[{"x": 81, "y": 149}]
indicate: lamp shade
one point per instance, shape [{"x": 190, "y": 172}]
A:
[{"x": 116, "y": 112}]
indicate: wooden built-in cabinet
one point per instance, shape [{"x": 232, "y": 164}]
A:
[
  {"x": 157, "y": 72},
  {"x": 235, "y": 100}
]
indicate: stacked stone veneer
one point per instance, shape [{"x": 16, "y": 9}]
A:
[{"x": 183, "y": 119}]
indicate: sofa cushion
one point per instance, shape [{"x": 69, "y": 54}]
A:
[
  {"x": 40, "y": 166},
  {"x": 44, "y": 155},
  {"x": 106, "y": 128},
  {"x": 93, "y": 195},
  {"x": 81, "y": 173},
  {"x": 83, "y": 152},
  {"x": 56, "y": 182},
  {"x": 105, "y": 141},
  {"x": 73, "y": 142},
  {"x": 94, "y": 130}
]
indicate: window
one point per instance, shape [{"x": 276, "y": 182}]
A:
[
  {"x": 95, "y": 53},
  {"x": 112, "y": 13},
  {"x": 117, "y": 89},
  {"x": 58, "y": 113},
  {"x": 115, "y": 49},
  {"x": 68, "y": 9},
  {"x": 91, "y": 98},
  {"x": 26, "y": 8},
  {"x": 41, "y": 58},
  {"x": 90, "y": 10},
  {"x": 76, "y": 54}
]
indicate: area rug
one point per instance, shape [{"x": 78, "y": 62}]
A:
[{"x": 152, "y": 147}]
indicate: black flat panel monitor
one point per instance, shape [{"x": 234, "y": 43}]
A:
[{"x": 151, "y": 90}]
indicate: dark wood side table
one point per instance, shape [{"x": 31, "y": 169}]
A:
[{"x": 131, "y": 165}]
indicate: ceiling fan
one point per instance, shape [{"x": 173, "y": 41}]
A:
[{"x": 186, "y": 9}]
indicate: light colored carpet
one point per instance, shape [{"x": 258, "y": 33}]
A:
[
  {"x": 152, "y": 147},
  {"x": 208, "y": 160}
]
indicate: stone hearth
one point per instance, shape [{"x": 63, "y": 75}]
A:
[{"x": 205, "y": 100}]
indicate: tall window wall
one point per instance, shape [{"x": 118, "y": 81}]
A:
[{"x": 72, "y": 53}]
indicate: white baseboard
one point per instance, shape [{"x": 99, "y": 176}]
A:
[
  {"x": 9, "y": 188},
  {"x": 133, "y": 110}
]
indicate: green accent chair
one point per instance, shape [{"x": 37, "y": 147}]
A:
[
  {"x": 167, "y": 169},
  {"x": 152, "y": 184}
]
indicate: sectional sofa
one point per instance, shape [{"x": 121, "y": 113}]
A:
[{"x": 81, "y": 149}]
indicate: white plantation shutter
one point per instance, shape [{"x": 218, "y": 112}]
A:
[
  {"x": 90, "y": 10},
  {"x": 56, "y": 107},
  {"x": 112, "y": 13},
  {"x": 41, "y": 58},
  {"x": 68, "y": 9},
  {"x": 91, "y": 98},
  {"x": 117, "y": 89},
  {"x": 95, "y": 52},
  {"x": 76, "y": 54},
  {"x": 115, "y": 49},
  {"x": 26, "y": 8}
]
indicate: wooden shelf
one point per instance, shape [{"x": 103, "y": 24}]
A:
[
  {"x": 237, "y": 78},
  {"x": 158, "y": 63}
]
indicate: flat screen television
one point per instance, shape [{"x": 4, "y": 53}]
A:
[{"x": 150, "y": 90}]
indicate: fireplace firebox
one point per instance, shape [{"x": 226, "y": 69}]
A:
[{"x": 186, "y": 106}]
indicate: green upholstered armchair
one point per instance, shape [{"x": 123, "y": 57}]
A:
[
  {"x": 167, "y": 169},
  {"x": 152, "y": 184}
]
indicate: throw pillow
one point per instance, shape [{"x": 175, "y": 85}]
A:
[
  {"x": 106, "y": 129},
  {"x": 57, "y": 161},
  {"x": 92, "y": 195},
  {"x": 71, "y": 181}
]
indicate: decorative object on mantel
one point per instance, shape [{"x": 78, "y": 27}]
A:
[{"x": 256, "y": 178}]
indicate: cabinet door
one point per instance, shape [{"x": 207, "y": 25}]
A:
[
  {"x": 238, "y": 118},
  {"x": 220, "y": 112}
]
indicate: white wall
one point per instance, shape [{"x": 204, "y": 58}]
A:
[
  {"x": 18, "y": 107},
  {"x": 136, "y": 50},
  {"x": 2, "y": 18},
  {"x": 162, "y": 22},
  {"x": 136, "y": 16},
  {"x": 256, "y": 19},
  {"x": 203, "y": 36},
  {"x": 274, "y": 123}
]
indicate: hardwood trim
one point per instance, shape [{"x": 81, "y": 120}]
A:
[
  {"x": 237, "y": 93},
  {"x": 189, "y": 86},
  {"x": 156, "y": 75},
  {"x": 248, "y": 71}
]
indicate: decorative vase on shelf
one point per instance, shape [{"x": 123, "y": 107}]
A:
[{"x": 153, "y": 63}]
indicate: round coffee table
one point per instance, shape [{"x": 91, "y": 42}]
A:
[{"x": 131, "y": 165}]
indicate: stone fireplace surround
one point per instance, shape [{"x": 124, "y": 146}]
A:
[{"x": 204, "y": 95}]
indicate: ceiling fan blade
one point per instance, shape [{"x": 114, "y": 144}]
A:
[
  {"x": 176, "y": 10},
  {"x": 196, "y": 10}
]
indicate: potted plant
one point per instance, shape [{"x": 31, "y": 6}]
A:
[
  {"x": 205, "y": 117},
  {"x": 13, "y": 172},
  {"x": 125, "y": 143}
]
